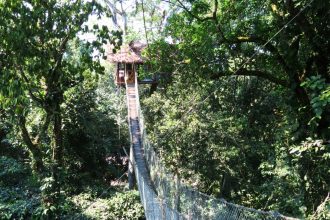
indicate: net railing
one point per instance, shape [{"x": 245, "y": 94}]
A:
[
  {"x": 155, "y": 207},
  {"x": 162, "y": 193}
]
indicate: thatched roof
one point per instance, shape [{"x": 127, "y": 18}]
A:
[{"x": 130, "y": 53}]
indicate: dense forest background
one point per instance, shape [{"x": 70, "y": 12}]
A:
[
  {"x": 241, "y": 110},
  {"x": 62, "y": 119}
]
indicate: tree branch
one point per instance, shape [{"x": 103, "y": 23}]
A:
[
  {"x": 192, "y": 14},
  {"x": 35, "y": 151},
  {"x": 264, "y": 75},
  {"x": 43, "y": 129},
  {"x": 305, "y": 27},
  {"x": 271, "y": 48},
  {"x": 39, "y": 100},
  {"x": 59, "y": 56},
  {"x": 213, "y": 17},
  {"x": 308, "y": 68},
  {"x": 257, "y": 73}
]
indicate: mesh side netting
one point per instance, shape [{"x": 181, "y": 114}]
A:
[{"x": 165, "y": 197}]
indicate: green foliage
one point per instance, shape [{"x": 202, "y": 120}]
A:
[
  {"x": 55, "y": 103},
  {"x": 95, "y": 200},
  {"x": 45, "y": 41},
  {"x": 237, "y": 130},
  {"x": 126, "y": 206},
  {"x": 42, "y": 59},
  {"x": 19, "y": 197},
  {"x": 119, "y": 205},
  {"x": 322, "y": 211},
  {"x": 11, "y": 171},
  {"x": 319, "y": 95},
  {"x": 231, "y": 108},
  {"x": 315, "y": 180},
  {"x": 17, "y": 203},
  {"x": 93, "y": 115}
]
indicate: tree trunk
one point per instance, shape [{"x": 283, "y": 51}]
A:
[
  {"x": 54, "y": 98},
  {"x": 153, "y": 88},
  {"x": 57, "y": 153},
  {"x": 124, "y": 17},
  {"x": 36, "y": 153}
]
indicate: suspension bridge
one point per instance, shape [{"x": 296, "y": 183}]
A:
[{"x": 162, "y": 194}]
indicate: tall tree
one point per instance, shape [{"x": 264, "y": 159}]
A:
[
  {"x": 118, "y": 9},
  {"x": 36, "y": 67},
  {"x": 284, "y": 42},
  {"x": 250, "y": 81}
]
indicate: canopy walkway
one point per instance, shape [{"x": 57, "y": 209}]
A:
[{"x": 163, "y": 196}]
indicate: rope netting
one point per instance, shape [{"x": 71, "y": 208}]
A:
[{"x": 162, "y": 194}]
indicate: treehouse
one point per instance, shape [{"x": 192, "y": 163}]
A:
[{"x": 128, "y": 60}]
